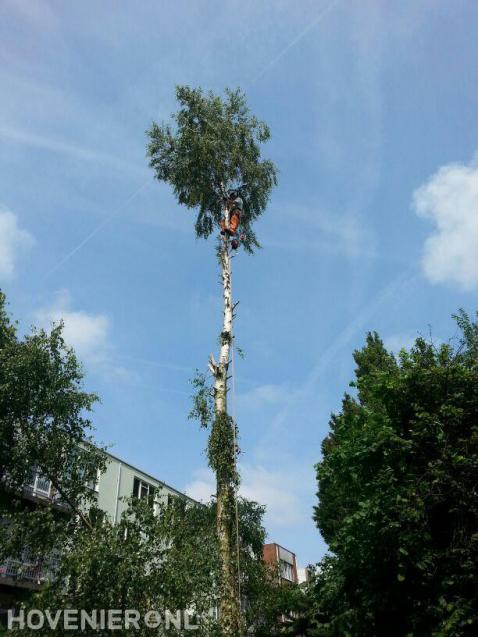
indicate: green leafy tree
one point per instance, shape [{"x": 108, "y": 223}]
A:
[
  {"x": 43, "y": 427},
  {"x": 161, "y": 560},
  {"x": 398, "y": 501},
  {"x": 212, "y": 145}
]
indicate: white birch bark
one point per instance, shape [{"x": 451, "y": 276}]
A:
[{"x": 230, "y": 612}]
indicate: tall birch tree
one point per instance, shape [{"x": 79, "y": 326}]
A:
[{"x": 212, "y": 145}]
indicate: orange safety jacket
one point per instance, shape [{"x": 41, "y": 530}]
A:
[{"x": 234, "y": 221}]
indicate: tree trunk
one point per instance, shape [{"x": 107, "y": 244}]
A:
[{"x": 222, "y": 453}]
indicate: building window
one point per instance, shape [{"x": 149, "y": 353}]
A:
[
  {"x": 94, "y": 483},
  {"x": 286, "y": 571},
  {"x": 143, "y": 490}
]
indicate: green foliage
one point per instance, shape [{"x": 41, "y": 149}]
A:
[
  {"x": 213, "y": 145},
  {"x": 222, "y": 443},
  {"x": 240, "y": 352},
  {"x": 221, "y": 450},
  {"x": 162, "y": 559},
  {"x": 43, "y": 424},
  {"x": 165, "y": 558},
  {"x": 225, "y": 338},
  {"x": 288, "y": 611},
  {"x": 203, "y": 401},
  {"x": 468, "y": 343},
  {"x": 139, "y": 564},
  {"x": 397, "y": 495}
]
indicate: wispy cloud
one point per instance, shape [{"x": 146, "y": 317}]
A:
[
  {"x": 66, "y": 147},
  {"x": 37, "y": 13},
  {"x": 268, "y": 395},
  {"x": 201, "y": 487},
  {"x": 309, "y": 27},
  {"x": 345, "y": 233},
  {"x": 450, "y": 200},
  {"x": 86, "y": 332},
  {"x": 99, "y": 227},
  {"x": 349, "y": 156},
  {"x": 13, "y": 240},
  {"x": 309, "y": 389},
  {"x": 276, "y": 489}
]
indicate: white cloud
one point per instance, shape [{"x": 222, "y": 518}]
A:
[
  {"x": 87, "y": 333},
  {"x": 202, "y": 488},
  {"x": 450, "y": 199},
  {"x": 274, "y": 489},
  {"x": 12, "y": 240}
]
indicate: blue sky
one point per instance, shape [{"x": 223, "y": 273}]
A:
[{"x": 374, "y": 224}]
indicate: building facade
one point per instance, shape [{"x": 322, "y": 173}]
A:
[
  {"x": 121, "y": 480},
  {"x": 283, "y": 561},
  {"x": 305, "y": 574},
  {"x": 113, "y": 487}
]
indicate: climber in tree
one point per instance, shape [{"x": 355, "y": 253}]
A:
[{"x": 233, "y": 202}]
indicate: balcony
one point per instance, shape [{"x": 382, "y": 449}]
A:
[
  {"x": 39, "y": 487},
  {"x": 26, "y": 572}
]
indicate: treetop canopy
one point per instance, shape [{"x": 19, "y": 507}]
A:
[{"x": 212, "y": 146}]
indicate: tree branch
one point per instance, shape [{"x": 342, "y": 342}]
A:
[{"x": 212, "y": 365}]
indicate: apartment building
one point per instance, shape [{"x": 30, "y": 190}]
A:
[
  {"x": 282, "y": 559},
  {"x": 119, "y": 481},
  {"x": 122, "y": 480},
  {"x": 305, "y": 574}
]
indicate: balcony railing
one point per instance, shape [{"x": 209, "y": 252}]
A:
[
  {"x": 26, "y": 570},
  {"x": 39, "y": 486}
]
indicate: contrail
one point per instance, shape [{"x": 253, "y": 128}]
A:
[
  {"x": 99, "y": 227},
  {"x": 297, "y": 39},
  {"x": 67, "y": 148},
  {"x": 358, "y": 323}
]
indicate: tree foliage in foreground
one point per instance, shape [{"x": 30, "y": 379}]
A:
[
  {"x": 154, "y": 559},
  {"x": 398, "y": 495},
  {"x": 162, "y": 559},
  {"x": 43, "y": 426}
]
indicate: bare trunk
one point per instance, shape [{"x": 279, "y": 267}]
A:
[{"x": 225, "y": 466}]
